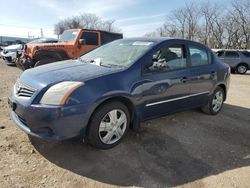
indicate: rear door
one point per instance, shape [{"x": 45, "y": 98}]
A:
[
  {"x": 165, "y": 89},
  {"x": 203, "y": 73}
]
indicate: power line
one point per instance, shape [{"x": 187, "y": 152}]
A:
[{"x": 27, "y": 27}]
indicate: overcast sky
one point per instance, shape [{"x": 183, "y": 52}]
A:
[{"x": 133, "y": 17}]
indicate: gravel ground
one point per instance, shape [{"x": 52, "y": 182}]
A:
[{"x": 187, "y": 149}]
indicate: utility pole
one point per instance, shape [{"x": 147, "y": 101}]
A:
[{"x": 41, "y": 32}]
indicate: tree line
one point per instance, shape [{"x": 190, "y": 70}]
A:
[
  {"x": 86, "y": 21},
  {"x": 216, "y": 25}
]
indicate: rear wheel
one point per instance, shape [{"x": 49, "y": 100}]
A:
[
  {"x": 215, "y": 103},
  {"x": 108, "y": 125},
  {"x": 241, "y": 69}
]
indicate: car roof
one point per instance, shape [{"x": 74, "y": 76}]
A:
[
  {"x": 158, "y": 39},
  {"x": 234, "y": 50},
  {"x": 98, "y": 30}
]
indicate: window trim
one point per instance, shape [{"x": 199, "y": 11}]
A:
[
  {"x": 223, "y": 54},
  {"x": 238, "y": 55},
  {"x": 245, "y": 52},
  {"x": 92, "y": 32},
  {"x": 185, "y": 54},
  {"x": 209, "y": 55}
]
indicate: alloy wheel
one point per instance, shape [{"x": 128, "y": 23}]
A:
[
  {"x": 217, "y": 101},
  {"x": 241, "y": 69}
]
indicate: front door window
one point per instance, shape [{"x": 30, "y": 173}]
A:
[{"x": 168, "y": 59}]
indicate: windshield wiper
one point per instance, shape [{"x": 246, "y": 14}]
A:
[
  {"x": 114, "y": 65},
  {"x": 83, "y": 60},
  {"x": 99, "y": 62}
]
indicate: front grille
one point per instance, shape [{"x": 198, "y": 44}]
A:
[
  {"x": 8, "y": 58},
  {"x": 24, "y": 90}
]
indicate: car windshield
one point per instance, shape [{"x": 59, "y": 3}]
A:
[
  {"x": 34, "y": 41},
  {"x": 68, "y": 36},
  {"x": 120, "y": 53}
]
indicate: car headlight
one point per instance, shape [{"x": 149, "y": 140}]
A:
[{"x": 59, "y": 93}]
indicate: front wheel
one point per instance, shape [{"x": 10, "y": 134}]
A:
[
  {"x": 215, "y": 103},
  {"x": 108, "y": 125}
]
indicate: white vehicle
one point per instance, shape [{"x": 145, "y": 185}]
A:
[{"x": 9, "y": 53}]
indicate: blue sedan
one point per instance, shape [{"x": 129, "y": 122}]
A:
[{"x": 101, "y": 94}]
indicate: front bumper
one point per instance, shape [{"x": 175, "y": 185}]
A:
[
  {"x": 50, "y": 122},
  {"x": 9, "y": 57}
]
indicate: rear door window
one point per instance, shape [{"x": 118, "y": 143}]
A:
[
  {"x": 198, "y": 56},
  {"x": 90, "y": 38},
  {"x": 231, "y": 54}
]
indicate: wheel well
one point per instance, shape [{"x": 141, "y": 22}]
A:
[
  {"x": 224, "y": 89},
  {"x": 124, "y": 101},
  {"x": 243, "y": 64},
  {"x": 55, "y": 54}
]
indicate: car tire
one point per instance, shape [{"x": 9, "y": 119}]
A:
[
  {"x": 215, "y": 102},
  {"x": 241, "y": 69},
  {"x": 108, "y": 125}
]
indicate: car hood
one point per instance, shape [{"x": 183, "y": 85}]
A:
[
  {"x": 58, "y": 44},
  {"x": 69, "y": 70}
]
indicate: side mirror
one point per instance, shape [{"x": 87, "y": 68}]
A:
[{"x": 82, "y": 42}]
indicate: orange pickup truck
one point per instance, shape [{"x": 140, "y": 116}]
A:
[{"x": 72, "y": 43}]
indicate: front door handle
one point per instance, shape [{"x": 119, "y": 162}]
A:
[{"x": 213, "y": 74}]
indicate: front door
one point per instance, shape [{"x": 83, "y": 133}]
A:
[
  {"x": 231, "y": 58},
  {"x": 91, "y": 41},
  {"x": 165, "y": 76}
]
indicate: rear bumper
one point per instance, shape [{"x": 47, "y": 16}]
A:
[{"x": 50, "y": 123}]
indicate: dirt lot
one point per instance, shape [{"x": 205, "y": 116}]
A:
[{"x": 188, "y": 149}]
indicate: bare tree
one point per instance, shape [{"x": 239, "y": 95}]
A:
[
  {"x": 211, "y": 24},
  {"x": 241, "y": 16},
  {"x": 192, "y": 14},
  {"x": 175, "y": 24},
  {"x": 182, "y": 22},
  {"x": 151, "y": 34},
  {"x": 211, "y": 32},
  {"x": 86, "y": 21}
]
